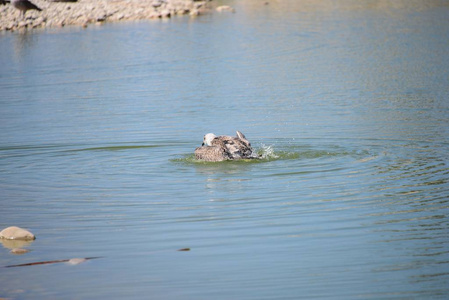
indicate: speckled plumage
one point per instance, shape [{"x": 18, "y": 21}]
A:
[{"x": 220, "y": 148}]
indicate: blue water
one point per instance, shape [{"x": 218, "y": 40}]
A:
[{"x": 347, "y": 102}]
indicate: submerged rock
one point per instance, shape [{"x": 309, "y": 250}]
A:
[
  {"x": 16, "y": 233},
  {"x": 76, "y": 261},
  {"x": 19, "y": 251}
]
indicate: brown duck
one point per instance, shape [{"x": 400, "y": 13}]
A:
[{"x": 223, "y": 147}]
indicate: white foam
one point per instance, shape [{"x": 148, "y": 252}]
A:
[{"x": 267, "y": 152}]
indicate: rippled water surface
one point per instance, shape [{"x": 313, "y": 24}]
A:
[{"x": 348, "y": 102}]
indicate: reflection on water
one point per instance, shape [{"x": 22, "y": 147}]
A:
[
  {"x": 345, "y": 101},
  {"x": 12, "y": 244}
]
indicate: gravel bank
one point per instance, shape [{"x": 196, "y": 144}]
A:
[{"x": 85, "y": 12}]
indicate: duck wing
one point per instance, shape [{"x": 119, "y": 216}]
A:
[
  {"x": 234, "y": 147},
  {"x": 246, "y": 148}
]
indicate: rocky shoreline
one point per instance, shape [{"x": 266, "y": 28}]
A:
[{"x": 85, "y": 12}]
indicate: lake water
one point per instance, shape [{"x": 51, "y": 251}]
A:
[{"x": 348, "y": 102}]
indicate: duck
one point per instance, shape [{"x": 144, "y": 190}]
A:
[{"x": 223, "y": 147}]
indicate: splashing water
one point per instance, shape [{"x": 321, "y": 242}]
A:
[
  {"x": 264, "y": 153},
  {"x": 267, "y": 152}
]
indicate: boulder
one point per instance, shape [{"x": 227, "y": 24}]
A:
[{"x": 16, "y": 233}]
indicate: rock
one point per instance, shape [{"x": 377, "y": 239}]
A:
[
  {"x": 101, "y": 18},
  {"x": 11, "y": 26},
  {"x": 76, "y": 261},
  {"x": 165, "y": 13},
  {"x": 194, "y": 12},
  {"x": 16, "y": 233},
  {"x": 19, "y": 251},
  {"x": 156, "y": 3},
  {"x": 225, "y": 8}
]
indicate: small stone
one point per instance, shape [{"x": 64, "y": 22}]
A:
[
  {"x": 19, "y": 251},
  {"x": 156, "y": 4},
  {"x": 194, "y": 12},
  {"x": 16, "y": 233},
  {"x": 165, "y": 13},
  {"x": 76, "y": 261},
  {"x": 154, "y": 15},
  {"x": 11, "y": 26},
  {"x": 225, "y": 8}
]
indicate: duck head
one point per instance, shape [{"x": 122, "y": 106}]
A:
[{"x": 207, "y": 140}]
